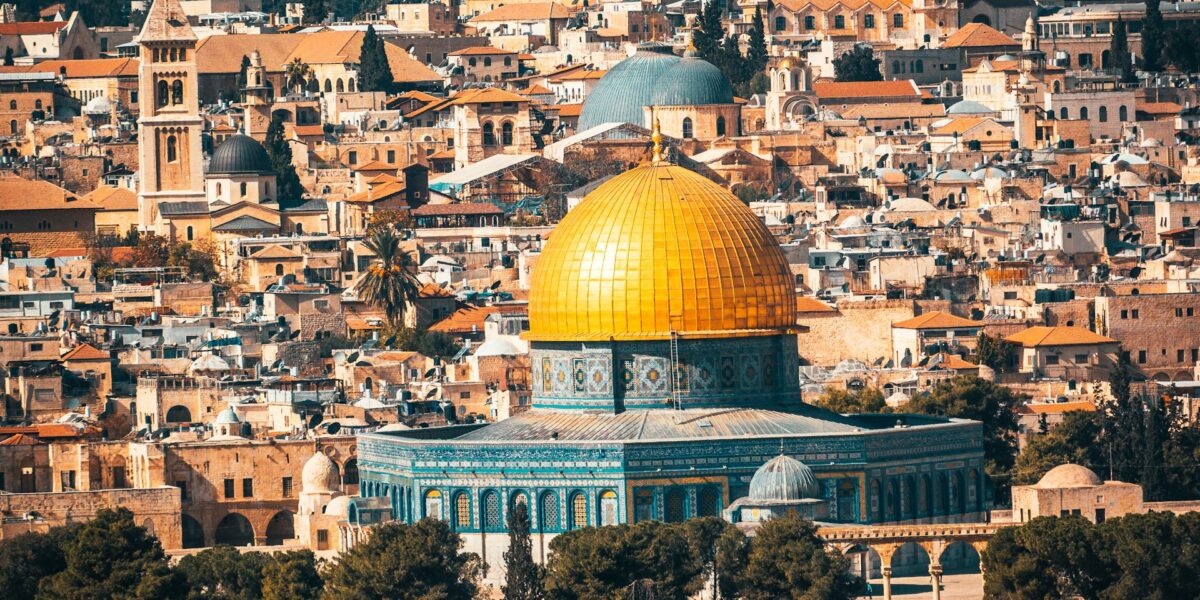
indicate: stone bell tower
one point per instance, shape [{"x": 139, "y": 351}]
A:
[
  {"x": 169, "y": 124},
  {"x": 256, "y": 98}
]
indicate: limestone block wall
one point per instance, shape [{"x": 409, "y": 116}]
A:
[
  {"x": 856, "y": 331},
  {"x": 156, "y": 509}
]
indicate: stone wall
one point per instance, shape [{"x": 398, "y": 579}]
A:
[
  {"x": 156, "y": 509},
  {"x": 858, "y": 330}
]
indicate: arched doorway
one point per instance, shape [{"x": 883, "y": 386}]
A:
[
  {"x": 193, "y": 534},
  {"x": 179, "y": 414},
  {"x": 986, "y": 20},
  {"x": 234, "y": 530},
  {"x": 350, "y": 472},
  {"x": 281, "y": 528}
]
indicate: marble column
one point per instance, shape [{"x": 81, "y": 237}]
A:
[{"x": 935, "y": 577}]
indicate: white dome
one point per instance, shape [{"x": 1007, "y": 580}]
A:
[
  {"x": 851, "y": 222},
  {"x": 228, "y": 417},
  {"x": 209, "y": 362},
  {"x": 910, "y": 205},
  {"x": 98, "y": 106},
  {"x": 783, "y": 479},
  {"x": 320, "y": 474},
  {"x": 497, "y": 347},
  {"x": 338, "y": 507},
  {"x": 951, "y": 175},
  {"x": 1125, "y": 157},
  {"x": 1129, "y": 179},
  {"x": 1069, "y": 476}
]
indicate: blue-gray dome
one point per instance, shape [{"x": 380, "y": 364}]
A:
[
  {"x": 693, "y": 81},
  {"x": 627, "y": 88},
  {"x": 784, "y": 479},
  {"x": 240, "y": 154},
  {"x": 969, "y": 107}
]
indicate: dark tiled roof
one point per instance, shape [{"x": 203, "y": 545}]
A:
[
  {"x": 313, "y": 205},
  {"x": 168, "y": 209},
  {"x": 246, "y": 223}
]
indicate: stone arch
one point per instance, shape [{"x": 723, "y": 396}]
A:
[
  {"x": 281, "y": 527},
  {"x": 913, "y": 558},
  {"x": 193, "y": 533},
  {"x": 865, "y": 560},
  {"x": 959, "y": 556},
  {"x": 234, "y": 530},
  {"x": 549, "y": 517},
  {"x": 350, "y": 472},
  {"x": 986, "y": 20},
  {"x": 179, "y": 413}
]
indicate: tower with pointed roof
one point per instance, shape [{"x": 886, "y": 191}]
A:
[
  {"x": 256, "y": 102},
  {"x": 169, "y": 125}
]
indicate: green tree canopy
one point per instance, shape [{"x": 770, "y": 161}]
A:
[
  {"x": 968, "y": 397},
  {"x": 1153, "y": 37},
  {"x": 292, "y": 576},
  {"x": 601, "y": 563},
  {"x": 288, "y": 190},
  {"x": 30, "y": 557},
  {"x": 522, "y": 576},
  {"x": 391, "y": 281},
  {"x": 866, "y": 400},
  {"x": 1070, "y": 441},
  {"x": 374, "y": 73},
  {"x": 110, "y": 557},
  {"x": 858, "y": 64},
  {"x": 416, "y": 561},
  {"x": 788, "y": 561}
]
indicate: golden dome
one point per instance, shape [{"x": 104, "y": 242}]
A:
[
  {"x": 786, "y": 63},
  {"x": 656, "y": 249}
]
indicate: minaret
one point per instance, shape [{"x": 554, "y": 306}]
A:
[
  {"x": 257, "y": 99},
  {"x": 1029, "y": 41},
  {"x": 169, "y": 124}
]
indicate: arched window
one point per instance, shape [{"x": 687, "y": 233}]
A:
[
  {"x": 462, "y": 510},
  {"x": 508, "y": 59},
  {"x": 780, "y": 23},
  {"x": 157, "y": 58},
  {"x": 173, "y": 54},
  {"x": 810, "y": 23},
  {"x": 177, "y": 92},
  {"x": 341, "y": 87},
  {"x": 839, "y": 22},
  {"x": 896, "y": 67},
  {"x": 350, "y": 84},
  {"x": 920, "y": 66},
  {"x": 687, "y": 128},
  {"x": 472, "y": 62},
  {"x": 1083, "y": 112},
  {"x": 279, "y": 269},
  {"x": 548, "y": 512},
  {"x": 578, "y": 511},
  {"x": 172, "y": 149},
  {"x": 218, "y": 184},
  {"x": 489, "y": 134},
  {"x": 190, "y": 233},
  {"x": 506, "y": 134},
  {"x": 1123, "y": 114},
  {"x": 720, "y": 126},
  {"x": 328, "y": 85},
  {"x": 491, "y": 511},
  {"x": 164, "y": 93},
  {"x": 182, "y": 54},
  {"x": 708, "y": 503},
  {"x": 487, "y": 61},
  {"x": 12, "y": 125},
  {"x": 608, "y": 508},
  {"x": 1057, "y": 87},
  {"x": 869, "y": 21},
  {"x": 1063, "y": 113},
  {"x": 267, "y": 189},
  {"x": 1103, "y": 116},
  {"x": 12, "y": 105},
  {"x": 242, "y": 188},
  {"x": 433, "y": 504},
  {"x": 898, "y": 20}
]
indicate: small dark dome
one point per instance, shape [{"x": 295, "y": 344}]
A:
[
  {"x": 240, "y": 154},
  {"x": 625, "y": 89}
]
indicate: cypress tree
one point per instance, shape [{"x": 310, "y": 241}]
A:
[
  {"x": 1121, "y": 60},
  {"x": 1153, "y": 35},
  {"x": 375, "y": 75},
  {"x": 756, "y": 54},
  {"x": 287, "y": 182},
  {"x": 708, "y": 35},
  {"x": 523, "y": 579}
]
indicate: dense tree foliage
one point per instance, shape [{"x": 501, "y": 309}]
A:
[
  {"x": 1151, "y": 556},
  {"x": 110, "y": 557},
  {"x": 374, "y": 73},
  {"x": 992, "y": 352},
  {"x": 866, "y": 400},
  {"x": 292, "y": 576},
  {"x": 785, "y": 560},
  {"x": 405, "y": 561},
  {"x": 288, "y": 190},
  {"x": 788, "y": 561},
  {"x": 1122, "y": 60},
  {"x": 522, "y": 576},
  {"x": 744, "y": 70},
  {"x": 1070, "y": 441},
  {"x": 1153, "y": 37},
  {"x": 1181, "y": 50},
  {"x": 967, "y": 397},
  {"x": 858, "y": 64},
  {"x": 31, "y": 557}
]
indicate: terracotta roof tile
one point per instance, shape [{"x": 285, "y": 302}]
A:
[
  {"x": 113, "y": 198},
  {"x": 86, "y": 352},
  {"x": 975, "y": 35},
  {"x": 1057, "y": 336},
  {"x": 936, "y": 320},
  {"x": 26, "y": 194},
  {"x": 31, "y": 27},
  {"x": 865, "y": 89},
  {"x": 480, "y": 51},
  {"x": 98, "y": 67},
  {"x": 808, "y": 304},
  {"x": 530, "y": 11}
]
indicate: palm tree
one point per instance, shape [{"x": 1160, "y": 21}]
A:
[
  {"x": 297, "y": 75},
  {"x": 391, "y": 281}
]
